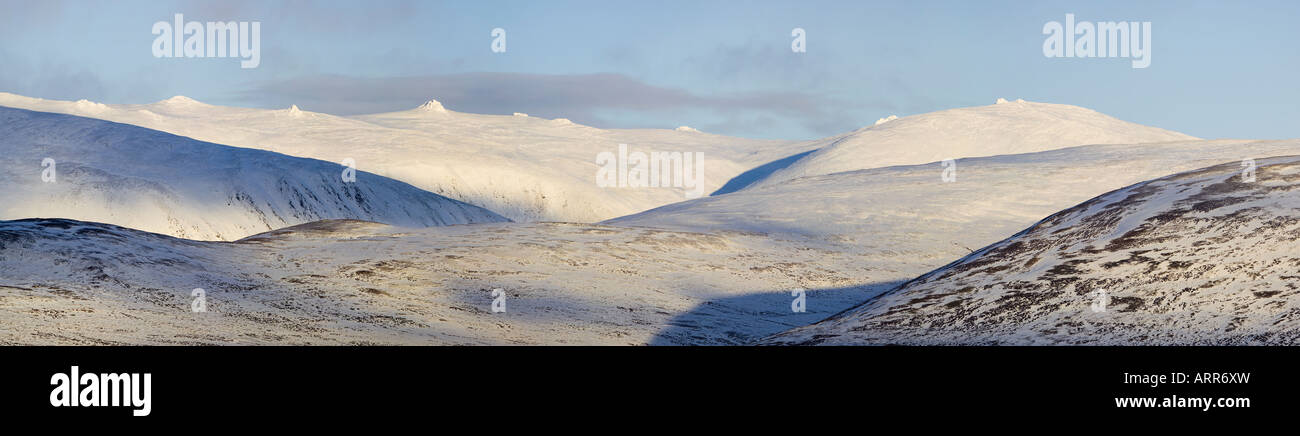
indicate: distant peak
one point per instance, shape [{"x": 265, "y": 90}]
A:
[
  {"x": 84, "y": 104},
  {"x": 688, "y": 129},
  {"x": 294, "y": 111},
  {"x": 521, "y": 114},
  {"x": 432, "y": 106},
  {"x": 1004, "y": 101},
  {"x": 180, "y": 99},
  {"x": 886, "y": 119}
]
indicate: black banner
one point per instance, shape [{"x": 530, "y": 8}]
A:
[{"x": 420, "y": 383}]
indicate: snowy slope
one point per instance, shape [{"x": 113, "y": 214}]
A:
[
  {"x": 906, "y": 221},
  {"x": 1003, "y": 128},
  {"x": 524, "y": 168},
  {"x": 351, "y": 282},
  {"x": 1200, "y": 257},
  {"x": 159, "y": 182},
  {"x": 716, "y": 270}
]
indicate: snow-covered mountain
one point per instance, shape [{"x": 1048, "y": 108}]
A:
[
  {"x": 352, "y": 282},
  {"x": 715, "y": 270},
  {"x": 159, "y": 182},
  {"x": 524, "y": 168},
  {"x": 530, "y": 169},
  {"x": 1008, "y": 127},
  {"x": 909, "y": 221},
  {"x": 1208, "y": 257}
]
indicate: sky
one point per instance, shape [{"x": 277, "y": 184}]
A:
[{"x": 1218, "y": 69}]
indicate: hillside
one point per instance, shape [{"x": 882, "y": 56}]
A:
[
  {"x": 163, "y": 183},
  {"x": 353, "y": 282},
  {"x": 524, "y": 168},
  {"x": 909, "y": 221},
  {"x": 1008, "y": 127},
  {"x": 1203, "y": 257}
]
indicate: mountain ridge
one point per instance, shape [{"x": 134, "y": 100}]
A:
[{"x": 155, "y": 181}]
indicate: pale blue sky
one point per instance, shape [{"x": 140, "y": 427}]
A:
[{"x": 1218, "y": 69}]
